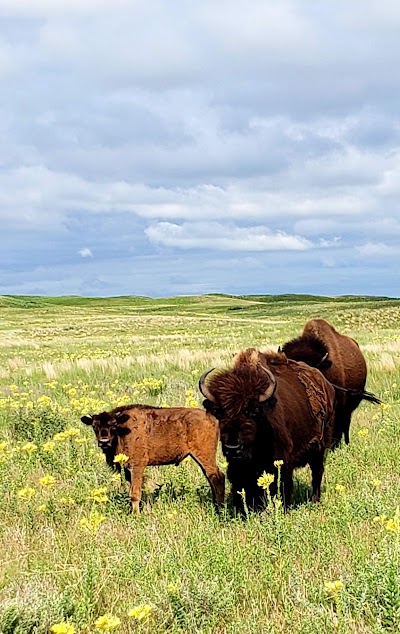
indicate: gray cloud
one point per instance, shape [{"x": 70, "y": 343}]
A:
[{"x": 216, "y": 126}]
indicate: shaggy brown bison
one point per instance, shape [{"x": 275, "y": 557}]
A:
[
  {"x": 340, "y": 359},
  {"x": 270, "y": 409},
  {"x": 151, "y": 436}
]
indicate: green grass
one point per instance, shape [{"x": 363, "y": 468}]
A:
[{"x": 64, "y": 357}]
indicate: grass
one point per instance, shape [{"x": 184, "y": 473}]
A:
[{"x": 69, "y": 559}]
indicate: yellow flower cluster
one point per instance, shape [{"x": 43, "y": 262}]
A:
[
  {"x": 333, "y": 588},
  {"x": 363, "y": 433},
  {"x": 47, "y": 480},
  {"x": 140, "y": 612},
  {"x": 265, "y": 480},
  {"x": 26, "y": 493},
  {"x": 121, "y": 458},
  {"x": 91, "y": 524},
  {"x": 63, "y": 628},
  {"x": 107, "y": 622},
  {"x": 99, "y": 495},
  {"x": 340, "y": 488}
]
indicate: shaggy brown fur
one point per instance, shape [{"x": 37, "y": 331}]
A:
[
  {"x": 294, "y": 425},
  {"x": 156, "y": 436},
  {"x": 345, "y": 367}
]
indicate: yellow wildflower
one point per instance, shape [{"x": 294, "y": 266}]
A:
[
  {"x": 363, "y": 433},
  {"x": 91, "y": 524},
  {"x": 140, "y": 612},
  {"x": 189, "y": 393},
  {"x": 121, "y": 459},
  {"x": 393, "y": 524},
  {"x": 47, "y": 480},
  {"x": 380, "y": 519},
  {"x": 26, "y": 493},
  {"x": 172, "y": 514},
  {"x": 376, "y": 483},
  {"x": 172, "y": 588},
  {"x": 41, "y": 508},
  {"x": 49, "y": 446},
  {"x": 107, "y": 622},
  {"x": 278, "y": 463},
  {"x": 29, "y": 448},
  {"x": 68, "y": 501},
  {"x": 63, "y": 628},
  {"x": 333, "y": 588},
  {"x": 99, "y": 495},
  {"x": 3, "y": 445},
  {"x": 265, "y": 480},
  {"x": 340, "y": 488}
]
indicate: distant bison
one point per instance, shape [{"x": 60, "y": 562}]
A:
[
  {"x": 340, "y": 359},
  {"x": 270, "y": 409},
  {"x": 156, "y": 436}
]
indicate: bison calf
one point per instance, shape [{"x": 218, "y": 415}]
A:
[{"x": 151, "y": 436}]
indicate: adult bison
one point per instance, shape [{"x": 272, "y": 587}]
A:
[
  {"x": 150, "y": 435},
  {"x": 270, "y": 409},
  {"x": 340, "y": 359}
]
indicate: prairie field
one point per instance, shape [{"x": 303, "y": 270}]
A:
[{"x": 72, "y": 553}]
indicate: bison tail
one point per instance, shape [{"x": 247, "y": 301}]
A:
[{"x": 368, "y": 396}]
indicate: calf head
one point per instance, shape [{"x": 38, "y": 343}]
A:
[
  {"x": 238, "y": 399},
  {"x": 106, "y": 426}
]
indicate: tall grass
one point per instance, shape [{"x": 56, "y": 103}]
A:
[{"x": 70, "y": 558}]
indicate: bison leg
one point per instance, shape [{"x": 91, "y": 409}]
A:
[
  {"x": 317, "y": 470},
  {"x": 135, "y": 489},
  {"x": 287, "y": 486},
  {"x": 214, "y": 476}
]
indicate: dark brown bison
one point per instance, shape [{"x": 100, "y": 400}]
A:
[
  {"x": 270, "y": 409},
  {"x": 340, "y": 359},
  {"x": 151, "y": 436}
]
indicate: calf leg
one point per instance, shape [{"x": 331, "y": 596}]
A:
[
  {"x": 317, "y": 470},
  {"x": 214, "y": 476},
  {"x": 136, "y": 482}
]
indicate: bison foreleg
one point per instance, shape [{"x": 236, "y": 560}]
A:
[
  {"x": 214, "y": 476},
  {"x": 317, "y": 470},
  {"x": 135, "y": 489}
]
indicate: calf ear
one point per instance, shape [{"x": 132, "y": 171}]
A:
[
  {"x": 122, "y": 431},
  {"x": 121, "y": 418},
  {"x": 87, "y": 420}
]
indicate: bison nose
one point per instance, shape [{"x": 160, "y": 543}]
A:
[
  {"x": 232, "y": 451},
  {"x": 104, "y": 442}
]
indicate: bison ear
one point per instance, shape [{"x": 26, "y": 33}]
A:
[
  {"x": 211, "y": 408},
  {"x": 121, "y": 418},
  {"x": 87, "y": 420}
]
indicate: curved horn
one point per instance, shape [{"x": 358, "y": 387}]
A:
[
  {"x": 270, "y": 391},
  {"x": 324, "y": 358},
  {"x": 279, "y": 349},
  {"x": 203, "y": 387}
]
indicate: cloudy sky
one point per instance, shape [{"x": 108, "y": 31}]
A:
[{"x": 163, "y": 148}]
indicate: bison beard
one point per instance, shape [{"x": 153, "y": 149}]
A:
[{"x": 268, "y": 410}]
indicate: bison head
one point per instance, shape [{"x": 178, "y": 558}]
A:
[
  {"x": 310, "y": 349},
  {"x": 106, "y": 427},
  {"x": 237, "y": 398}
]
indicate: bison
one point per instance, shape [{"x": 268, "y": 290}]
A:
[
  {"x": 151, "y": 436},
  {"x": 270, "y": 409},
  {"x": 341, "y": 361}
]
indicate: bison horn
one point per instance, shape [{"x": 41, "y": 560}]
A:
[
  {"x": 203, "y": 387},
  {"x": 271, "y": 388}
]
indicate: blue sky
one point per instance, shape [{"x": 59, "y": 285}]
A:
[{"x": 164, "y": 148}]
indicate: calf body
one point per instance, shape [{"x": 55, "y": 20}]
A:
[
  {"x": 152, "y": 436},
  {"x": 269, "y": 409}
]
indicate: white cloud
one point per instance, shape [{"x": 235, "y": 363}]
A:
[
  {"x": 224, "y": 237},
  {"x": 85, "y": 252},
  {"x": 376, "y": 250}
]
